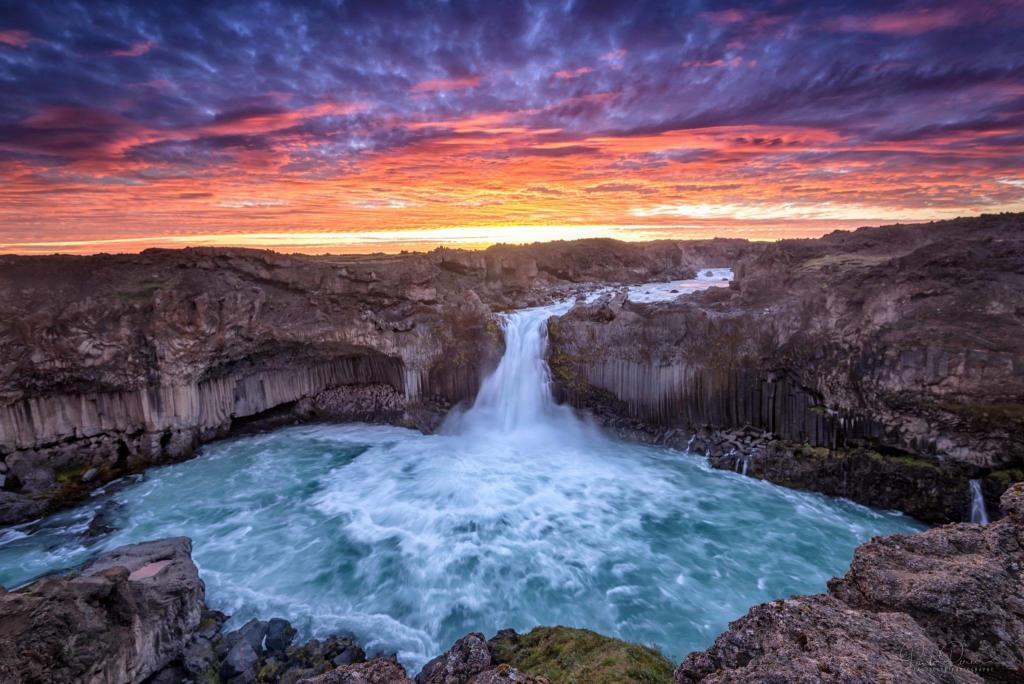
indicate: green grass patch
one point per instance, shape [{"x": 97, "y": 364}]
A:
[{"x": 579, "y": 656}]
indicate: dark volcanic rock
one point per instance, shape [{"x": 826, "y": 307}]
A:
[
  {"x": 964, "y": 584},
  {"x": 280, "y": 635},
  {"x": 120, "y": 618},
  {"x": 469, "y": 656},
  {"x": 812, "y": 639}
]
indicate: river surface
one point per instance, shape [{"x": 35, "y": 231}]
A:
[{"x": 517, "y": 513}]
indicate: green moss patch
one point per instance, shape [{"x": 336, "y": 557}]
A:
[
  {"x": 577, "y": 656},
  {"x": 1006, "y": 477}
]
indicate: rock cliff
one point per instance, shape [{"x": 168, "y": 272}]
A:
[
  {"x": 109, "y": 363},
  {"x": 885, "y": 364}
]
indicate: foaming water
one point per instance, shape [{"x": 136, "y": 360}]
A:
[{"x": 516, "y": 514}]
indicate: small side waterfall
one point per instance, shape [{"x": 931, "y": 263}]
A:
[{"x": 978, "y": 513}]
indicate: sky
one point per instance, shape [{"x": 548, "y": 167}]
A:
[{"x": 356, "y": 126}]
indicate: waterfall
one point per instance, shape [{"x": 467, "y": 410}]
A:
[
  {"x": 517, "y": 397},
  {"x": 978, "y": 513}
]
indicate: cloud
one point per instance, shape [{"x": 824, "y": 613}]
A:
[
  {"x": 567, "y": 74},
  {"x": 137, "y": 49},
  {"x": 446, "y": 84},
  {"x": 620, "y": 187},
  {"x": 251, "y": 203},
  {"x": 905, "y": 23},
  {"x": 15, "y": 38},
  {"x": 559, "y": 151},
  {"x": 510, "y": 113}
]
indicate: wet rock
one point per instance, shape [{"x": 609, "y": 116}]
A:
[
  {"x": 280, "y": 635},
  {"x": 240, "y": 663},
  {"x": 811, "y": 639},
  {"x": 129, "y": 613},
  {"x": 89, "y": 475},
  {"x": 241, "y": 651},
  {"x": 469, "y": 656}
]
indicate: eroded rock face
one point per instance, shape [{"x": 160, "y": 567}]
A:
[
  {"x": 120, "y": 618},
  {"x": 901, "y": 340},
  {"x": 945, "y": 605}
]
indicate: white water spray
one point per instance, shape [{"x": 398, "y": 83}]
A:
[
  {"x": 978, "y": 512},
  {"x": 516, "y": 398}
]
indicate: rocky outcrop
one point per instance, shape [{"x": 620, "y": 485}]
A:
[
  {"x": 963, "y": 584},
  {"x": 819, "y": 639},
  {"x": 110, "y": 363},
  {"x": 121, "y": 618},
  {"x": 945, "y": 605},
  {"x": 895, "y": 349}
]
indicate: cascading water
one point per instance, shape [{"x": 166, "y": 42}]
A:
[
  {"x": 517, "y": 514},
  {"x": 978, "y": 512},
  {"x": 516, "y": 397}
]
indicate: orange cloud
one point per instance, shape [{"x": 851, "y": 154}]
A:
[
  {"x": 14, "y": 38},
  {"x": 138, "y": 48},
  {"x": 908, "y": 23},
  {"x": 572, "y": 73},
  {"x": 445, "y": 84}
]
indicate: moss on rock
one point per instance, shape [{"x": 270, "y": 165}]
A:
[{"x": 573, "y": 656}]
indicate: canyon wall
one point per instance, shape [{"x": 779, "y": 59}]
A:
[
  {"x": 886, "y": 364},
  {"x": 110, "y": 363}
]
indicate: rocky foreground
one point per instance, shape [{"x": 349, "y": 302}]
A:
[{"x": 946, "y": 605}]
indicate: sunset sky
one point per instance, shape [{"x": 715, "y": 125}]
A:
[{"x": 351, "y": 126}]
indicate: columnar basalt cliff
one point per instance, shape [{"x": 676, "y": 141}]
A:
[
  {"x": 886, "y": 365},
  {"x": 110, "y": 363}
]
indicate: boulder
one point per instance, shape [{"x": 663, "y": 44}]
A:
[
  {"x": 280, "y": 635},
  {"x": 120, "y": 618},
  {"x": 944, "y": 605},
  {"x": 469, "y": 656}
]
